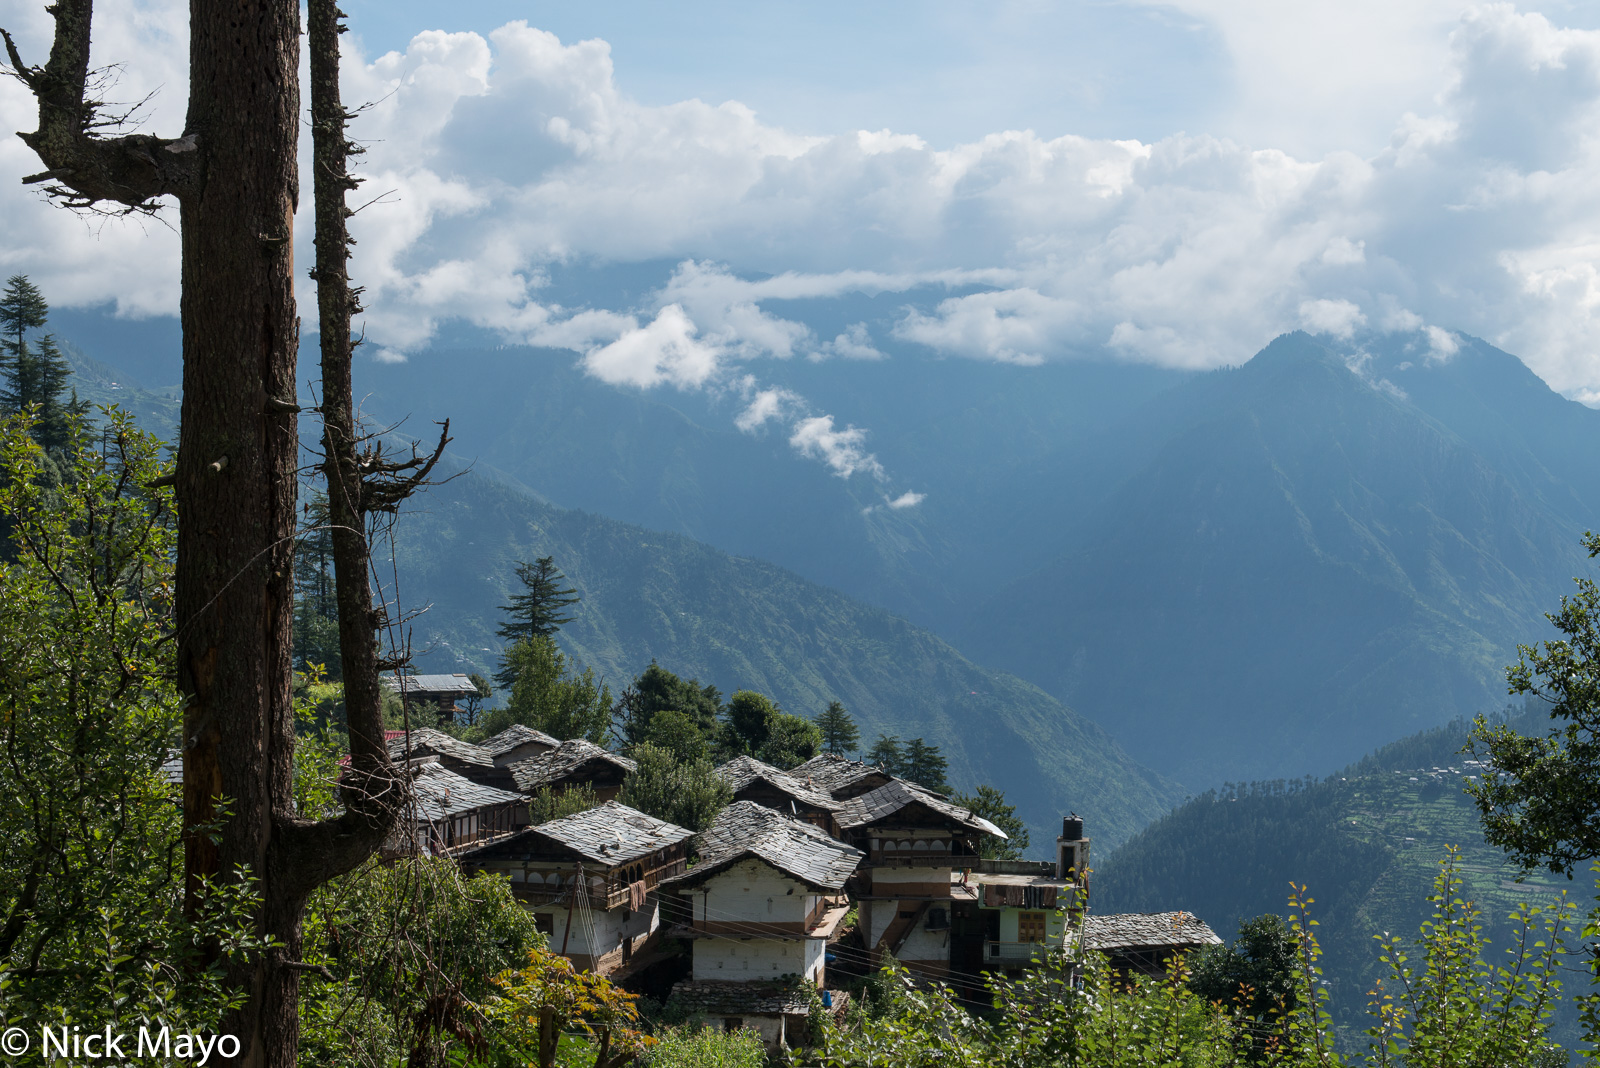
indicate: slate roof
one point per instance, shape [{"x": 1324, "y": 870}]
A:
[
  {"x": 742, "y": 771},
  {"x": 719, "y": 997},
  {"x": 458, "y": 684},
  {"x": 439, "y": 793},
  {"x": 746, "y": 829},
  {"x": 426, "y": 741},
  {"x": 515, "y": 735},
  {"x": 832, "y": 773},
  {"x": 886, "y": 800},
  {"x": 611, "y": 833},
  {"x": 569, "y": 756},
  {"x": 1136, "y": 929}
]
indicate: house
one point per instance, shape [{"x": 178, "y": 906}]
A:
[
  {"x": 916, "y": 846},
  {"x": 839, "y": 777},
  {"x": 573, "y": 763},
  {"x": 517, "y": 743},
  {"x": 1146, "y": 942},
  {"x": 440, "y": 690},
  {"x": 449, "y": 814},
  {"x": 465, "y": 759},
  {"x": 753, "y": 780},
  {"x": 590, "y": 880},
  {"x": 760, "y": 906}
]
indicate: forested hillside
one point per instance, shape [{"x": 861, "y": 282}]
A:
[
  {"x": 1366, "y": 841},
  {"x": 739, "y": 623}
]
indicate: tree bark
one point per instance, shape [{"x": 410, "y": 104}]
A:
[{"x": 234, "y": 175}]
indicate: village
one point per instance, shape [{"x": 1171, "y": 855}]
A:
[{"x": 812, "y": 875}]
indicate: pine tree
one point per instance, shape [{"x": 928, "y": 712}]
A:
[
  {"x": 839, "y": 732},
  {"x": 886, "y": 754},
  {"x": 33, "y": 373},
  {"x": 535, "y": 612},
  {"x": 925, "y": 765},
  {"x": 316, "y": 609},
  {"x": 990, "y": 804}
]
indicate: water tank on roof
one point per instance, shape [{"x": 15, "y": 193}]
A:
[{"x": 1071, "y": 828}]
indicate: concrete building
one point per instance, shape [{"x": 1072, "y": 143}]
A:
[
  {"x": 591, "y": 880},
  {"x": 760, "y": 906}
]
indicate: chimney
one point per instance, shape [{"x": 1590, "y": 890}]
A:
[{"x": 1072, "y": 850}]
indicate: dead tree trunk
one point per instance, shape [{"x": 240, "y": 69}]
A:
[{"x": 234, "y": 175}]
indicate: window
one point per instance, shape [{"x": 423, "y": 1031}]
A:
[
  {"x": 1030, "y": 926},
  {"x": 544, "y": 923},
  {"x": 732, "y": 1023}
]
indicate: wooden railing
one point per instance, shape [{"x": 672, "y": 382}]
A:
[{"x": 602, "y": 895}]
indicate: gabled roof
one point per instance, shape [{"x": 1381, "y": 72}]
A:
[
  {"x": 758, "y": 998},
  {"x": 832, "y": 773},
  {"x": 439, "y": 793},
  {"x": 1129, "y": 930},
  {"x": 746, "y": 829},
  {"x": 885, "y": 801},
  {"x": 562, "y": 761},
  {"x": 742, "y": 771},
  {"x": 515, "y": 735},
  {"x": 457, "y": 684},
  {"x": 426, "y": 740},
  {"x": 609, "y": 834}
]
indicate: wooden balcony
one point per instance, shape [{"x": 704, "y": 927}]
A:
[{"x": 606, "y": 889}]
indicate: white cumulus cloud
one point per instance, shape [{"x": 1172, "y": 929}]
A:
[{"x": 841, "y": 450}]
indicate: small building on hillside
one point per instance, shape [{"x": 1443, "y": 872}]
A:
[
  {"x": 753, "y": 780},
  {"x": 591, "y": 880},
  {"x": 1146, "y": 942},
  {"x": 449, "y": 814},
  {"x": 440, "y": 691},
  {"x": 465, "y": 759},
  {"x": 916, "y": 845},
  {"x": 573, "y": 763},
  {"x": 760, "y": 906},
  {"x": 840, "y": 777},
  {"x": 517, "y": 743}
]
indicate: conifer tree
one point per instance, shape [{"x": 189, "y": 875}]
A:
[
  {"x": 839, "y": 732},
  {"x": 535, "y": 612},
  {"x": 886, "y": 754},
  {"x": 924, "y": 764},
  {"x": 36, "y": 372}
]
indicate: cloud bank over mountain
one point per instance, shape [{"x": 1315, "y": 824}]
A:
[{"x": 493, "y": 159}]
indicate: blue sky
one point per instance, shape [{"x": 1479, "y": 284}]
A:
[{"x": 1170, "y": 183}]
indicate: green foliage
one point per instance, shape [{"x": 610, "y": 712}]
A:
[
  {"x": 887, "y": 754},
  {"x": 547, "y": 997},
  {"x": 790, "y": 740},
  {"x": 536, "y": 612},
  {"x": 316, "y": 608},
  {"x": 34, "y": 374},
  {"x": 689, "y": 794},
  {"x": 1540, "y": 796},
  {"x": 749, "y": 720},
  {"x": 923, "y": 763},
  {"x": 1455, "y": 1011},
  {"x": 658, "y": 690},
  {"x": 680, "y": 735},
  {"x": 551, "y": 804},
  {"x": 91, "y": 858},
  {"x": 482, "y": 692},
  {"x": 414, "y": 948},
  {"x": 1255, "y": 976},
  {"x": 704, "y": 1047},
  {"x": 840, "y": 734},
  {"x": 551, "y": 695},
  {"x": 990, "y": 803}
]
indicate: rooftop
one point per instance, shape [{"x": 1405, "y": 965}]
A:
[
  {"x": 746, "y": 829},
  {"x": 742, "y": 771},
  {"x": 612, "y": 833},
  {"x": 439, "y": 793},
  {"x": 515, "y": 735},
  {"x": 568, "y": 757},
  {"x": 426, "y": 741},
  {"x": 1136, "y": 929},
  {"x": 831, "y": 772},
  {"x": 458, "y": 684},
  {"x": 885, "y": 801}
]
